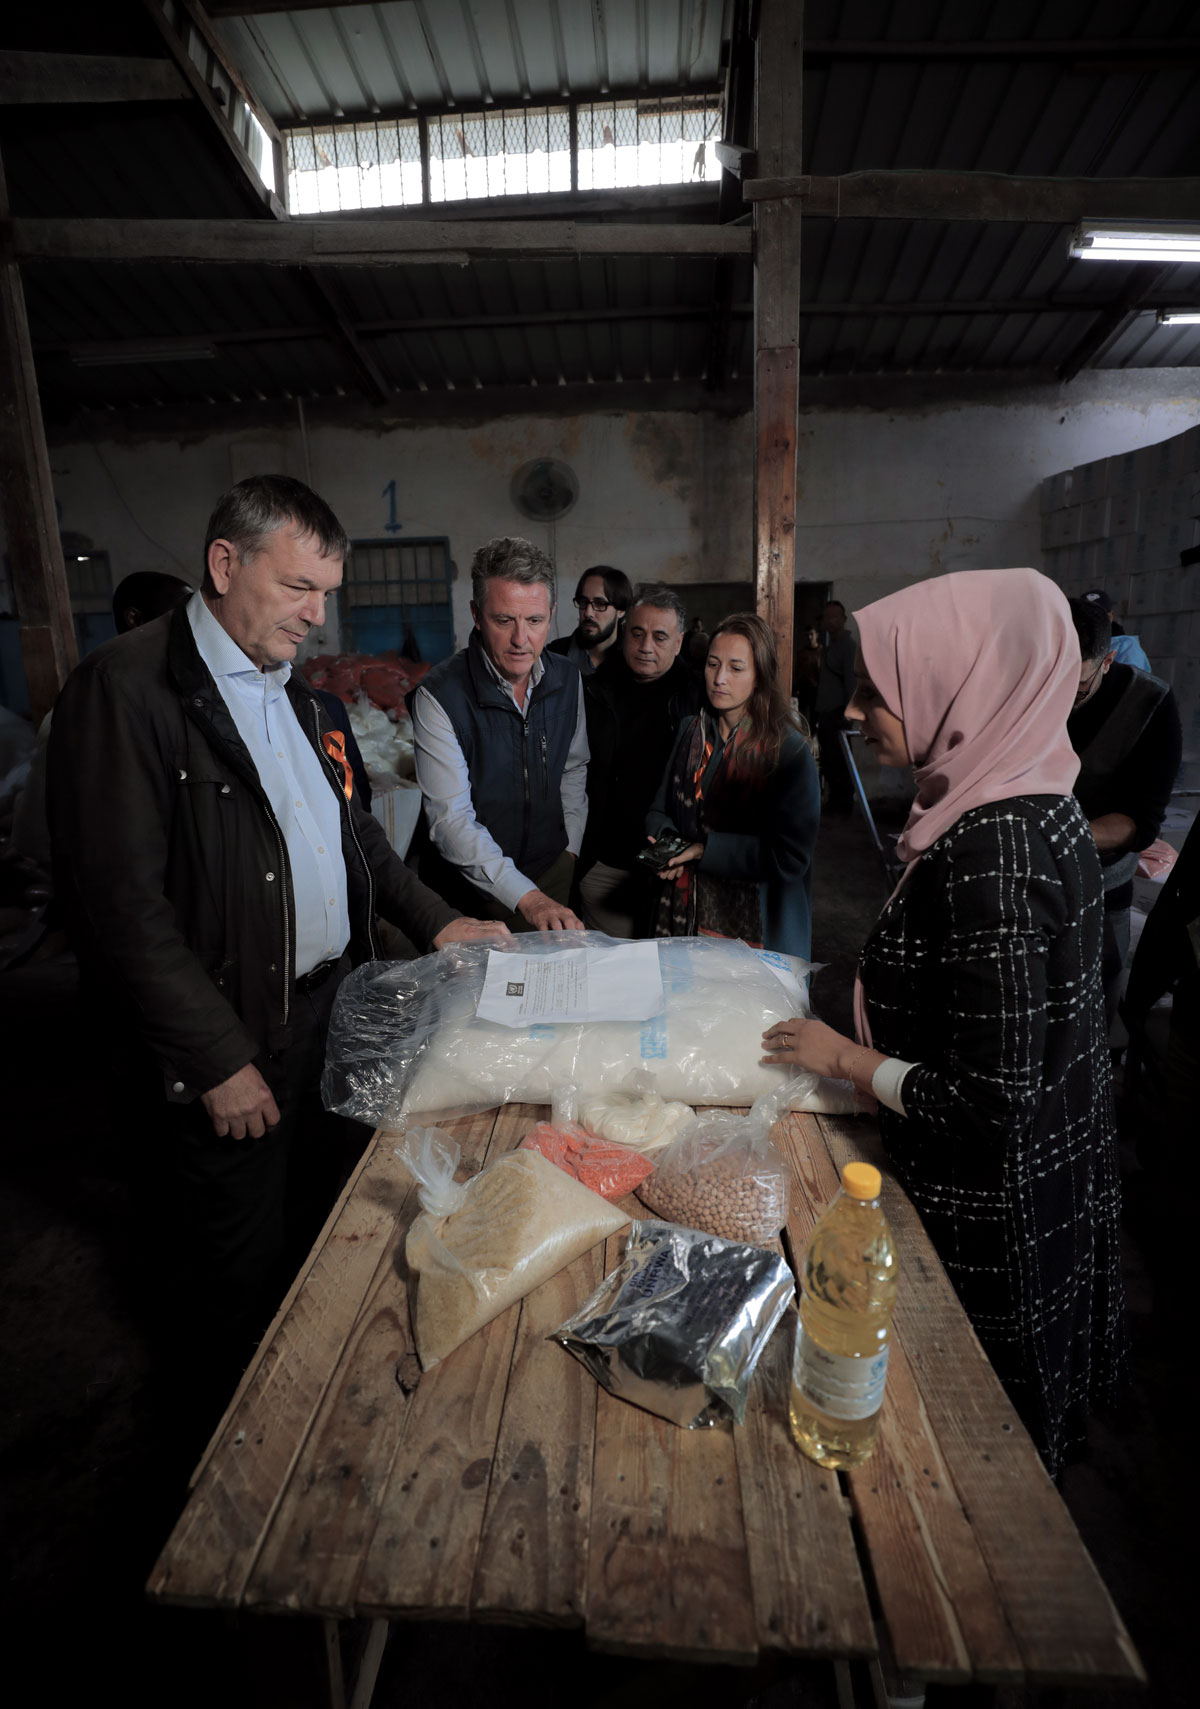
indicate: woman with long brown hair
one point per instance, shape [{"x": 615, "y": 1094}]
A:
[{"x": 742, "y": 788}]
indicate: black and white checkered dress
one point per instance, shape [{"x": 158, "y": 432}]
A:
[{"x": 985, "y": 970}]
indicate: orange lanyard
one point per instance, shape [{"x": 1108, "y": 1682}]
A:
[{"x": 335, "y": 746}]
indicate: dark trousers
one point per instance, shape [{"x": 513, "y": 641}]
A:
[
  {"x": 228, "y": 1223},
  {"x": 833, "y": 761}
]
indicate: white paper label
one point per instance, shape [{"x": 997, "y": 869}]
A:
[
  {"x": 620, "y": 983},
  {"x": 836, "y": 1385}
]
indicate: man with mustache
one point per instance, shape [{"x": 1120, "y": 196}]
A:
[{"x": 601, "y": 599}]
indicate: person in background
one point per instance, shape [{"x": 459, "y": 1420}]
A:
[
  {"x": 145, "y": 595},
  {"x": 835, "y": 685},
  {"x": 695, "y": 646},
  {"x": 138, "y": 599},
  {"x": 601, "y": 599},
  {"x": 219, "y": 878},
  {"x": 978, "y": 1007},
  {"x": 807, "y": 674},
  {"x": 501, "y": 750},
  {"x": 1125, "y": 728},
  {"x": 1126, "y": 649},
  {"x": 635, "y": 704},
  {"x": 742, "y": 788}
]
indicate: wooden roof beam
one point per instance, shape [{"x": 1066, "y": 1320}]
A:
[
  {"x": 982, "y": 196},
  {"x": 50, "y": 79},
  {"x": 220, "y": 91},
  {"x": 356, "y": 243}
]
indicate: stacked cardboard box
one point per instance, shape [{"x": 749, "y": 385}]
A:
[{"x": 1121, "y": 524}]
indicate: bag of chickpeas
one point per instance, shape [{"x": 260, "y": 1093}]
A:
[{"x": 723, "y": 1174}]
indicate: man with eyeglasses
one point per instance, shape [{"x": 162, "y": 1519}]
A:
[
  {"x": 1125, "y": 728},
  {"x": 601, "y": 599}
]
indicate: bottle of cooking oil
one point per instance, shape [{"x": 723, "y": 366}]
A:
[{"x": 847, "y": 1292}]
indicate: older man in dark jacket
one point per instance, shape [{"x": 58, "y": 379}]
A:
[
  {"x": 219, "y": 877},
  {"x": 635, "y": 704}
]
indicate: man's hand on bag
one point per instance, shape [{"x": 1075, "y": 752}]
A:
[
  {"x": 466, "y": 931},
  {"x": 546, "y": 915},
  {"x": 242, "y": 1106}
]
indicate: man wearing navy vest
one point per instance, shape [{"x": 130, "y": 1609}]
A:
[{"x": 501, "y": 752}]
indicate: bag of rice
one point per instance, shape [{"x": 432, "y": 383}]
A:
[{"x": 479, "y": 1246}]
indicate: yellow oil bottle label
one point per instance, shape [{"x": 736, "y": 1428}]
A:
[{"x": 838, "y": 1386}]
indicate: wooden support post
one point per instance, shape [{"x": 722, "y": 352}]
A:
[
  {"x": 35, "y": 556},
  {"x": 777, "y": 321}
]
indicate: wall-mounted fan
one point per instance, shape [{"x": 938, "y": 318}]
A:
[{"x": 544, "y": 490}]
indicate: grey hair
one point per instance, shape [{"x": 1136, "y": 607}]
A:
[
  {"x": 511, "y": 559},
  {"x": 663, "y": 598},
  {"x": 262, "y": 505}
]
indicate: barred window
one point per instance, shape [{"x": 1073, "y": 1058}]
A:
[
  {"x": 373, "y": 164},
  {"x": 510, "y": 151},
  {"x": 623, "y": 144}
]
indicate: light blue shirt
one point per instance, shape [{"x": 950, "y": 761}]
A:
[
  {"x": 445, "y": 782},
  {"x": 296, "y": 784},
  {"x": 1129, "y": 651}
]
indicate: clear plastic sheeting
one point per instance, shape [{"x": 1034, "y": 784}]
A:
[
  {"x": 405, "y": 1039},
  {"x": 680, "y": 1324},
  {"x": 481, "y": 1245}
]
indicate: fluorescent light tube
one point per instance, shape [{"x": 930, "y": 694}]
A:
[
  {"x": 1164, "y": 243},
  {"x": 1179, "y": 317},
  {"x": 121, "y": 354}
]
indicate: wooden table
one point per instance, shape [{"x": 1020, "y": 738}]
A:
[{"x": 505, "y": 1484}]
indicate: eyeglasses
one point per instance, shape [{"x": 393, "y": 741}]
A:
[
  {"x": 1086, "y": 684},
  {"x": 599, "y": 606}
]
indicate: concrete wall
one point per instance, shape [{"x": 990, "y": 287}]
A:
[{"x": 898, "y": 479}]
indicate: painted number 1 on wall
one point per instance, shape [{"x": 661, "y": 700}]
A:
[{"x": 389, "y": 493}]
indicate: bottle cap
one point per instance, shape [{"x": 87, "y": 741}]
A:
[{"x": 862, "y": 1181}]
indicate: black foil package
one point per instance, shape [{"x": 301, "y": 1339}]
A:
[{"x": 679, "y": 1325}]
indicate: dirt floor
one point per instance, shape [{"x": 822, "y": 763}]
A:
[{"x": 93, "y": 1479}]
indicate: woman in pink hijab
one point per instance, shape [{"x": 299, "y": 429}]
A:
[{"x": 979, "y": 1007}]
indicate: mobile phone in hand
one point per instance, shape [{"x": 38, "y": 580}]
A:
[{"x": 663, "y": 852}]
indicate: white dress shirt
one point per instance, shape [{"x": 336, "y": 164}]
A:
[
  {"x": 296, "y": 784},
  {"x": 445, "y": 784}
]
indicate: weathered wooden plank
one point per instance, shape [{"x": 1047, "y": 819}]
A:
[
  {"x": 39, "y": 576},
  {"x": 667, "y": 1568},
  {"x": 943, "y": 1614},
  {"x": 36, "y": 79},
  {"x": 1054, "y": 1601},
  {"x": 809, "y": 1595},
  {"x": 533, "y": 1553},
  {"x": 775, "y": 394},
  {"x": 359, "y": 243},
  {"x": 779, "y": 131},
  {"x": 421, "y": 1556},
  {"x": 212, "y": 1551},
  {"x": 979, "y": 196}
]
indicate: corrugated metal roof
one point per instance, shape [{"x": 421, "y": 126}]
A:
[
  {"x": 499, "y": 324},
  {"x": 391, "y": 58}
]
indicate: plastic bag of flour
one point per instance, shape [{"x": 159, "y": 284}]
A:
[
  {"x": 404, "y": 1038},
  {"x": 479, "y": 1246}
]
